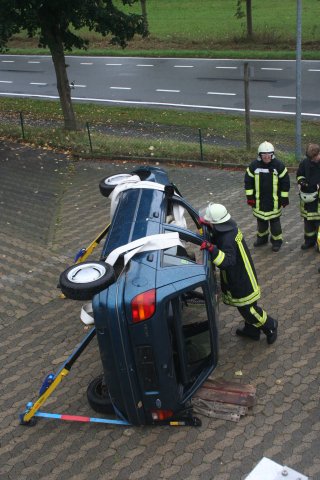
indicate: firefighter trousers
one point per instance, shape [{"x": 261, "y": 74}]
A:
[
  {"x": 312, "y": 232},
  {"x": 275, "y": 231},
  {"x": 253, "y": 315}
]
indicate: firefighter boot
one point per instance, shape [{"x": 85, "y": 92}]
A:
[
  {"x": 270, "y": 329},
  {"x": 249, "y": 331},
  {"x": 308, "y": 244},
  {"x": 276, "y": 245},
  {"x": 261, "y": 241}
]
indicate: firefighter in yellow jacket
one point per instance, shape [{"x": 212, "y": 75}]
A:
[
  {"x": 239, "y": 283},
  {"x": 267, "y": 186}
]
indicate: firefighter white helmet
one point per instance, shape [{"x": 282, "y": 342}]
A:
[
  {"x": 216, "y": 213},
  {"x": 266, "y": 147},
  {"x": 308, "y": 197}
]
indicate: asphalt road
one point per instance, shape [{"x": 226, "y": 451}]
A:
[{"x": 199, "y": 84}]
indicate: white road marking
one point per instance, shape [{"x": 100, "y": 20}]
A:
[
  {"x": 220, "y": 93},
  {"x": 279, "y": 96},
  {"x": 163, "y": 104},
  {"x": 229, "y": 68},
  {"x": 114, "y": 64},
  {"x": 120, "y": 88},
  {"x": 37, "y": 83},
  {"x": 183, "y": 66},
  {"x": 170, "y": 91},
  {"x": 76, "y": 85},
  {"x": 313, "y": 70},
  {"x": 144, "y": 65},
  {"x": 6, "y": 81},
  {"x": 86, "y": 63},
  {"x": 33, "y": 61},
  {"x": 266, "y": 68},
  {"x": 7, "y": 61}
]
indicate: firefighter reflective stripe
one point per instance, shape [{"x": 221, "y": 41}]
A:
[
  {"x": 257, "y": 188},
  {"x": 255, "y": 294},
  {"x": 275, "y": 192},
  {"x": 318, "y": 239},
  {"x": 276, "y": 210},
  {"x": 276, "y": 237},
  {"x": 261, "y": 318},
  {"x": 240, "y": 302},
  {"x": 249, "y": 173},
  {"x": 219, "y": 258},
  {"x": 300, "y": 178},
  {"x": 310, "y": 234},
  {"x": 309, "y": 215},
  {"x": 267, "y": 215},
  {"x": 246, "y": 261},
  {"x": 263, "y": 234},
  {"x": 284, "y": 194},
  {"x": 250, "y": 191},
  {"x": 283, "y": 173}
]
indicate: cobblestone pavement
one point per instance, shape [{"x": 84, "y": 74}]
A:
[{"x": 49, "y": 208}]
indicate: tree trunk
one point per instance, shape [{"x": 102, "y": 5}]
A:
[
  {"x": 249, "y": 19},
  {"x": 56, "y": 48},
  {"x": 144, "y": 15}
]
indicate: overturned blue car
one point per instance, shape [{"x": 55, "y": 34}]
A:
[{"x": 153, "y": 295}]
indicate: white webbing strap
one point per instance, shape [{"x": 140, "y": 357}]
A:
[
  {"x": 144, "y": 244},
  {"x": 133, "y": 182},
  {"x": 130, "y": 183},
  {"x": 86, "y": 314}
]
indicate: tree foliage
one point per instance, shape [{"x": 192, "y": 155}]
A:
[{"x": 57, "y": 23}]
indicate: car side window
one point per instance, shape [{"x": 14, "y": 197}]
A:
[
  {"x": 178, "y": 215},
  {"x": 187, "y": 254}
]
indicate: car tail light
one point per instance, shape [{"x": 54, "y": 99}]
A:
[
  {"x": 159, "y": 415},
  {"x": 143, "y": 306}
]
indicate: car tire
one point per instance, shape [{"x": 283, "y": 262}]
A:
[
  {"x": 98, "y": 396},
  {"x": 83, "y": 280},
  {"x": 108, "y": 184}
]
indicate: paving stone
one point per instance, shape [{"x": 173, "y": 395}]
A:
[{"x": 50, "y": 207}]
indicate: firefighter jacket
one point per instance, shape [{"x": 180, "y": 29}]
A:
[
  {"x": 309, "y": 172},
  {"x": 267, "y": 184},
  {"x": 230, "y": 254}
]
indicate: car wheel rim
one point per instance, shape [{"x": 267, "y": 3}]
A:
[{"x": 86, "y": 273}]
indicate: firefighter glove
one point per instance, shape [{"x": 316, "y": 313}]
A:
[
  {"x": 204, "y": 222},
  {"x": 284, "y": 202},
  {"x": 251, "y": 202},
  {"x": 207, "y": 246},
  {"x": 303, "y": 183}
]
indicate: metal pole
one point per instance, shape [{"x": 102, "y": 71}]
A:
[
  {"x": 200, "y": 141},
  {"x": 247, "y": 105},
  {"x": 88, "y": 129},
  {"x": 298, "y": 83},
  {"x": 22, "y": 125}
]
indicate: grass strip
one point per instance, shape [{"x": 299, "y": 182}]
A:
[{"x": 150, "y": 133}]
